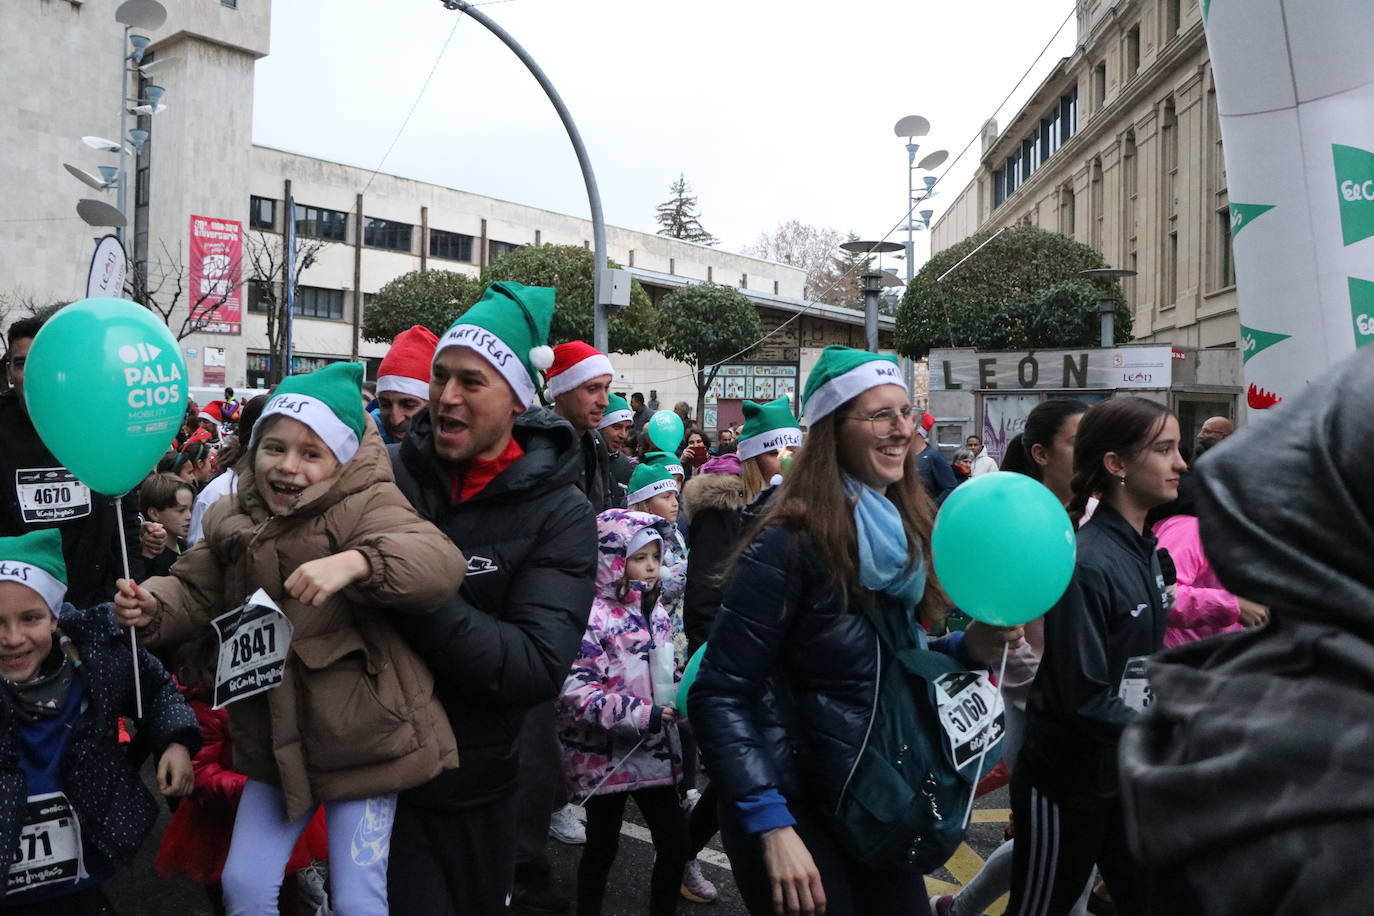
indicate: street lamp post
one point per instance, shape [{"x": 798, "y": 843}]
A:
[
  {"x": 610, "y": 288},
  {"x": 872, "y": 285},
  {"x": 1107, "y": 302}
]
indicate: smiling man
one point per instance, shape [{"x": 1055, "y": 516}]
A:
[
  {"x": 579, "y": 381},
  {"x": 499, "y": 477},
  {"x": 403, "y": 381}
]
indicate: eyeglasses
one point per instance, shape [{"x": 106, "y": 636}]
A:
[{"x": 887, "y": 422}]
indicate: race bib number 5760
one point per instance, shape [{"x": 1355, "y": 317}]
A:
[{"x": 971, "y": 712}]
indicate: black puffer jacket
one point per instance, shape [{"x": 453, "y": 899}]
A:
[
  {"x": 90, "y": 540},
  {"x": 506, "y": 641},
  {"x": 1251, "y": 778},
  {"x": 713, "y": 505},
  {"x": 780, "y": 618}
]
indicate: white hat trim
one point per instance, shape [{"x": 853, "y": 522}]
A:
[
  {"x": 650, "y": 491},
  {"x": 646, "y": 535},
  {"x": 404, "y": 384},
  {"x": 675, "y": 469},
  {"x": 495, "y": 351},
  {"x": 207, "y": 416},
  {"x": 48, "y": 586},
  {"x": 767, "y": 441},
  {"x": 828, "y": 398},
  {"x": 314, "y": 413},
  {"x": 579, "y": 374},
  {"x": 615, "y": 416}
]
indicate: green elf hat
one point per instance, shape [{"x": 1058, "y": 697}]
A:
[
  {"x": 328, "y": 400},
  {"x": 35, "y": 560},
  {"x": 843, "y": 373},
  {"x": 617, "y": 411},
  {"x": 648, "y": 481},
  {"x": 666, "y": 461},
  {"x": 767, "y": 427},
  {"x": 509, "y": 328}
]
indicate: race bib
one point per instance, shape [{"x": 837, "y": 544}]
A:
[
  {"x": 253, "y": 640},
  {"x": 50, "y": 495},
  {"x": 1135, "y": 689},
  {"x": 971, "y": 713},
  {"x": 49, "y": 850}
]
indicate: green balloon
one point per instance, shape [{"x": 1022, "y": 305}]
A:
[
  {"x": 689, "y": 677},
  {"x": 666, "y": 430},
  {"x": 105, "y": 386},
  {"x": 1004, "y": 548}
]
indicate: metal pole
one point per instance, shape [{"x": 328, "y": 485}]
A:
[
  {"x": 600, "y": 335},
  {"x": 910, "y": 205},
  {"x": 1106, "y": 309},
  {"x": 290, "y": 252},
  {"x": 872, "y": 286},
  {"x": 121, "y": 196}
]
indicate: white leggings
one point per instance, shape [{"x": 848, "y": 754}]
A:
[{"x": 359, "y": 844}]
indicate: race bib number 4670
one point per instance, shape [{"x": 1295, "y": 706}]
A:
[
  {"x": 50, "y": 495},
  {"x": 253, "y": 641}
]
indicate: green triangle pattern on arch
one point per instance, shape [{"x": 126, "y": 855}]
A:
[
  {"x": 1362, "y": 311},
  {"x": 1254, "y": 342},
  {"x": 1206, "y": 5},
  {"x": 1243, "y": 214}
]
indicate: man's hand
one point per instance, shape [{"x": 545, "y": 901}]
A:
[
  {"x": 152, "y": 539},
  {"x": 314, "y": 582},
  {"x": 984, "y": 643},
  {"x": 133, "y": 604}
]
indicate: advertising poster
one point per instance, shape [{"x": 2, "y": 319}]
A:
[{"x": 216, "y": 268}]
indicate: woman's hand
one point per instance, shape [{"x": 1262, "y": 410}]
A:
[
  {"x": 1252, "y": 614},
  {"x": 175, "y": 775},
  {"x": 797, "y": 888},
  {"x": 314, "y": 582},
  {"x": 984, "y": 643},
  {"x": 133, "y": 604}
]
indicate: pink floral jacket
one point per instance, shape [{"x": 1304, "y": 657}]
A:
[{"x": 607, "y": 703}]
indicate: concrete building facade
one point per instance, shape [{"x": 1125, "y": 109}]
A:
[
  {"x": 200, "y": 162},
  {"x": 1120, "y": 148}
]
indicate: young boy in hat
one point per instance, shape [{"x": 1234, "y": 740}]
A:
[{"x": 72, "y": 808}]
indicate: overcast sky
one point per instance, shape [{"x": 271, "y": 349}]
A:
[{"x": 773, "y": 109}]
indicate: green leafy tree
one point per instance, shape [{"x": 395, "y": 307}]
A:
[
  {"x": 432, "y": 298},
  {"x": 568, "y": 269},
  {"x": 678, "y": 215},
  {"x": 703, "y": 326},
  {"x": 1022, "y": 291}
]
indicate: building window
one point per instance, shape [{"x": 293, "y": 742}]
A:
[
  {"x": 232, "y": 4},
  {"x": 775, "y": 287},
  {"x": 1099, "y": 85},
  {"x": 1067, "y": 215},
  {"x": 495, "y": 249},
  {"x": 1132, "y": 263},
  {"x": 672, "y": 265},
  {"x": 999, "y": 190},
  {"x": 1173, "y": 10},
  {"x": 1226, "y": 256},
  {"x": 743, "y": 281},
  {"x": 1095, "y": 202},
  {"x": 453, "y": 246},
  {"x": 257, "y": 295},
  {"x": 1132, "y": 50},
  {"x": 262, "y": 213},
  {"x": 141, "y": 187},
  {"x": 1171, "y": 265},
  {"x": 1130, "y": 182},
  {"x": 384, "y": 233},
  {"x": 319, "y": 223},
  {"x": 317, "y": 302}
]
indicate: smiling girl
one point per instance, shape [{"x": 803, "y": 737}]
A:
[{"x": 318, "y": 524}]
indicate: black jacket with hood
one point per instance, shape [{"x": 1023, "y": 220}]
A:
[
  {"x": 1250, "y": 780},
  {"x": 507, "y": 639},
  {"x": 1113, "y": 611}
]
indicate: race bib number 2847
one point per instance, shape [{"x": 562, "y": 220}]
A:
[{"x": 253, "y": 642}]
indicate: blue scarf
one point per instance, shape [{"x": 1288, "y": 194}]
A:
[{"x": 883, "y": 562}]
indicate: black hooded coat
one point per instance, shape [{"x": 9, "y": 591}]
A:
[{"x": 1249, "y": 784}]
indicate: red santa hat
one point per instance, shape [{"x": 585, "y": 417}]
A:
[
  {"x": 214, "y": 412},
  {"x": 405, "y": 368},
  {"x": 574, "y": 363}
]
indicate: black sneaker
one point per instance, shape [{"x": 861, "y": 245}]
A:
[{"x": 539, "y": 900}]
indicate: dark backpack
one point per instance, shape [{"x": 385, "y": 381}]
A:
[{"x": 903, "y": 804}]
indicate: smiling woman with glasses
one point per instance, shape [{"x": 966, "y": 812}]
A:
[{"x": 788, "y": 692}]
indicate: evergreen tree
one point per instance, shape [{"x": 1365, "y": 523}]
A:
[{"x": 678, "y": 215}]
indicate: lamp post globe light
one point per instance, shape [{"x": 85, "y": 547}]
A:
[
  {"x": 1106, "y": 303},
  {"x": 873, "y": 280}
]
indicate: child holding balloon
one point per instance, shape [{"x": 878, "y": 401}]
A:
[
  {"x": 346, "y": 717},
  {"x": 617, "y": 724}
]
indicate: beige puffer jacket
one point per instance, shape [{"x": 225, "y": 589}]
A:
[{"x": 354, "y": 715}]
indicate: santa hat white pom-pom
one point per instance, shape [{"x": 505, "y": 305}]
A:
[{"x": 541, "y": 357}]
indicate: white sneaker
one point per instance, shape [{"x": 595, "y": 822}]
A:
[
  {"x": 690, "y": 800},
  {"x": 695, "y": 887},
  {"x": 566, "y": 828}
]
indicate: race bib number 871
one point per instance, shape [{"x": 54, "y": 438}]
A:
[{"x": 49, "y": 850}]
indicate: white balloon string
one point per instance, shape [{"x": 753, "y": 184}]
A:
[
  {"x": 978, "y": 773},
  {"x": 133, "y": 632}
]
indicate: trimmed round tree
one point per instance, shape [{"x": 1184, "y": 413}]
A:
[
  {"x": 568, "y": 269},
  {"x": 704, "y": 325},
  {"x": 1022, "y": 291},
  {"x": 432, "y": 298}
]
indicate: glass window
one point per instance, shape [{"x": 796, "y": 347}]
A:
[
  {"x": 496, "y": 249},
  {"x": 384, "y": 233},
  {"x": 1226, "y": 257},
  {"x": 1133, "y": 51},
  {"x": 262, "y": 213},
  {"x": 317, "y": 302},
  {"x": 1099, "y": 86},
  {"x": 257, "y": 295},
  {"x": 999, "y": 189},
  {"x": 319, "y": 223},
  {"x": 453, "y": 246}
]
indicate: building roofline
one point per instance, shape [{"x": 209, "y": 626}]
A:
[{"x": 768, "y": 300}]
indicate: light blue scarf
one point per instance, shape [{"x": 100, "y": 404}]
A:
[{"x": 883, "y": 561}]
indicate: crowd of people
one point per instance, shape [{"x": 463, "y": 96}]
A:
[{"x": 467, "y": 617}]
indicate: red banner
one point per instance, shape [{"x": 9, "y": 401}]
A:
[{"x": 215, "y": 291}]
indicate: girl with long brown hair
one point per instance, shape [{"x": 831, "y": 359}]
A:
[{"x": 787, "y": 693}]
